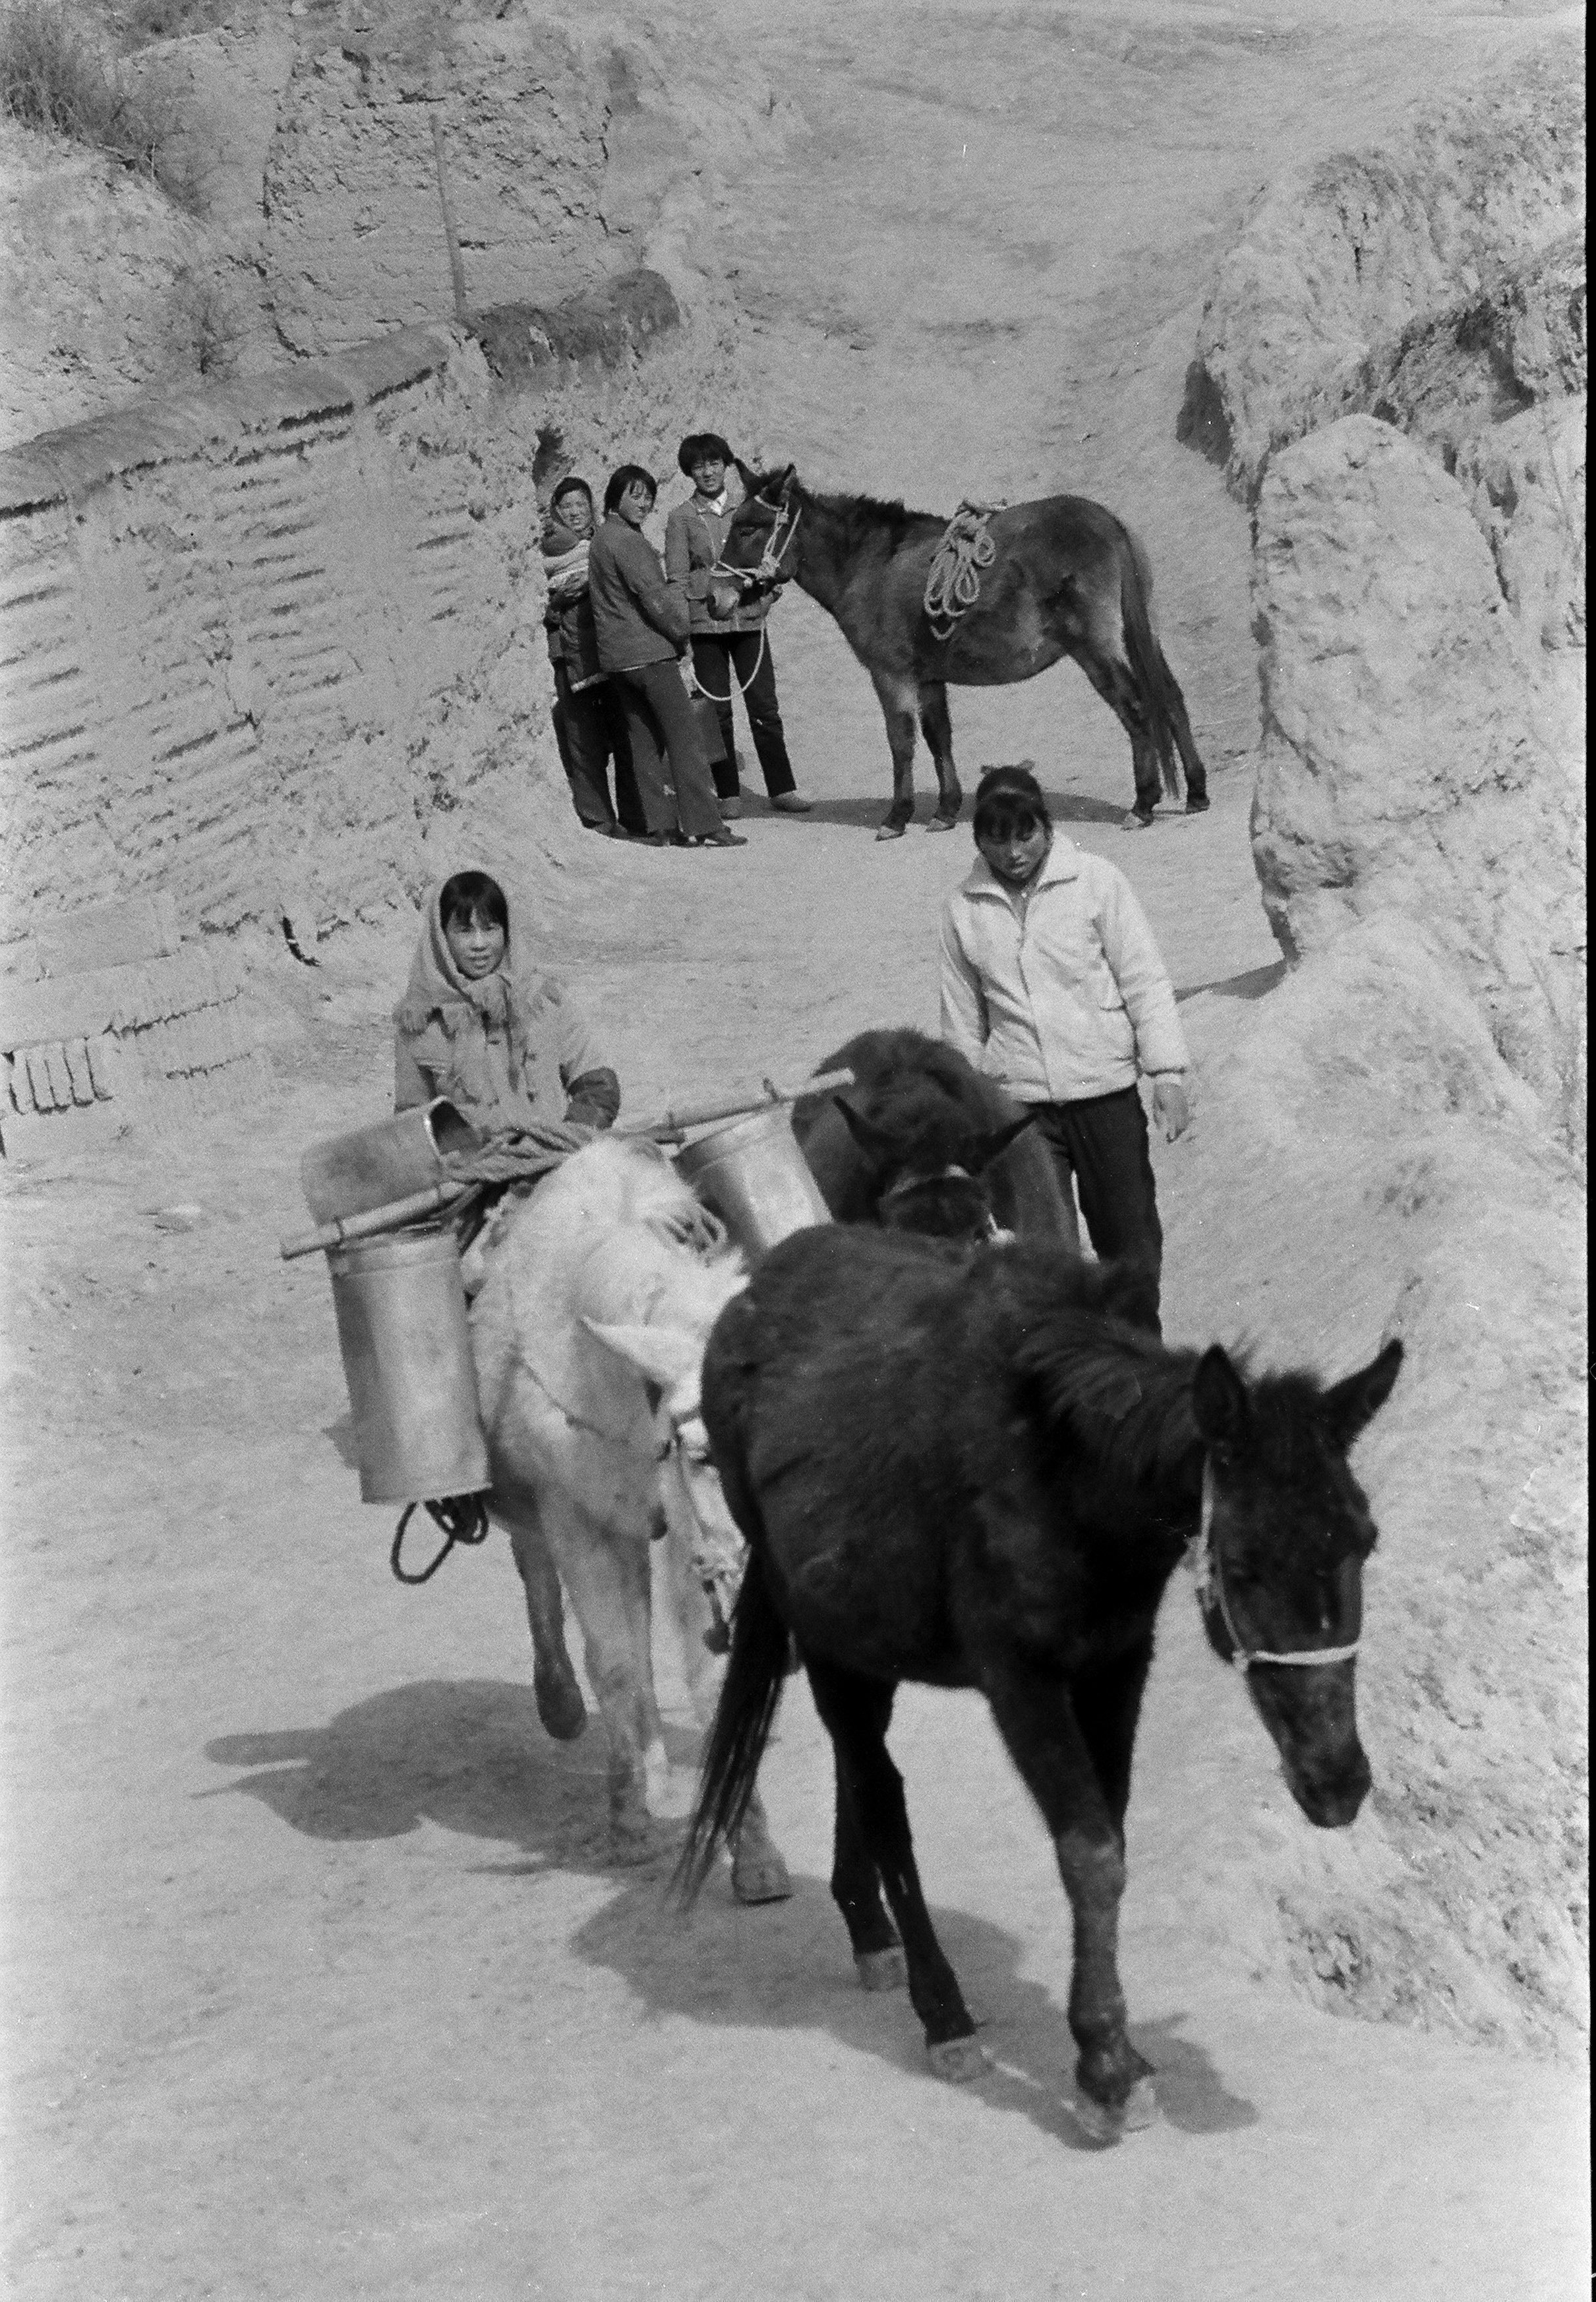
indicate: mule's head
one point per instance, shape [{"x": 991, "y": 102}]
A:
[
  {"x": 670, "y": 1361},
  {"x": 1286, "y": 1530},
  {"x": 766, "y": 508},
  {"x": 932, "y": 1180}
]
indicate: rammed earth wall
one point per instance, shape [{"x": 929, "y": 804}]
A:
[{"x": 259, "y": 644}]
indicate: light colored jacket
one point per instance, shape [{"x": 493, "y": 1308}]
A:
[{"x": 1063, "y": 996}]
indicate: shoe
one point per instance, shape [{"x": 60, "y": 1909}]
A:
[
  {"x": 722, "y": 839},
  {"x": 790, "y": 803},
  {"x": 611, "y": 830},
  {"x": 663, "y": 839},
  {"x": 731, "y": 809}
]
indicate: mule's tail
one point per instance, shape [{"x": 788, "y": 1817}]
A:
[
  {"x": 744, "y": 1718},
  {"x": 1161, "y": 698}
]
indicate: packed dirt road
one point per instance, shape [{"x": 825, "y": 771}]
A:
[{"x": 320, "y": 1983}]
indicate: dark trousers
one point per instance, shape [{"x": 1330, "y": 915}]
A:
[
  {"x": 590, "y": 727},
  {"x": 660, "y": 727},
  {"x": 717, "y": 661},
  {"x": 1100, "y": 1145}
]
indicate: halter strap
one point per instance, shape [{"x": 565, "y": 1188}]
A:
[
  {"x": 905, "y": 1184},
  {"x": 1203, "y": 1555}
]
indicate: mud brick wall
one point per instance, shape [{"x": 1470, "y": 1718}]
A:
[{"x": 257, "y": 646}]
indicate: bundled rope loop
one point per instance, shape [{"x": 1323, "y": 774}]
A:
[{"x": 954, "y": 585}]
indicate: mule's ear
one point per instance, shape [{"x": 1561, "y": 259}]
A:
[
  {"x": 787, "y": 480},
  {"x": 664, "y": 1356},
  {"x": 748, "y": 475},
  {"x": 874, "y": 1141},
  {"x": 978, "y": 1151},
  {"x": 1352, "y": 1404},
  {"x": 1218, "y": 1399}
]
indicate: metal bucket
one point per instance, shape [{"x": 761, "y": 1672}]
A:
[
  {"x": 406, "y": 1346},
  {"x": 373, "y": 1166},
  {"x": 755, "y": 1178}
]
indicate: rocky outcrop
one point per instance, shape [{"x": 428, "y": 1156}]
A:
[
  {"x": 1342, "y": 273},
  {"x": 1408, "y": 764},
  {"x": 272, "y": 646}
]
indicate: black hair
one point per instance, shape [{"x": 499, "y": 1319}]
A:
[
  {"x": 472, "y": 894},
  {"x": 570, "y": 486},
  {"x": 619, "y": 482},
  {"x": 697, "y": 446},
  {"x": 1008, "y": 797}
]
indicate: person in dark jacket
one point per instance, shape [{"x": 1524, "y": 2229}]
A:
[
  {"x": 727, "y": 648},
  {"x": 641, "y": 623},
  {"x": 590, "y": 726}
]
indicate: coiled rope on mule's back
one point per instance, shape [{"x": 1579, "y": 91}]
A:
[{"x": 954, "y": 584}]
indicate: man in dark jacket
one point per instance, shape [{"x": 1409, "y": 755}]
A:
[
  {"x": 642, "y": 624},
  {"x": 727, "y": 648},
  {"x": 590, "y": 726}
]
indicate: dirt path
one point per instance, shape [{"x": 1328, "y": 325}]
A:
[{"x": 319, "y": 1984}]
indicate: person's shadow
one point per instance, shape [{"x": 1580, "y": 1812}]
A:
[
  {"x": 471, "y": 1756},
  {"x": 865, "y": 814}
]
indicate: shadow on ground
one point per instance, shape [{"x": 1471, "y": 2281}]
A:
[
  {"x": 471, "y": 1756},
  {"x": 866, "y": 814}
]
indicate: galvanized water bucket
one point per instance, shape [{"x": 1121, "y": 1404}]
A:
[
  {"x": 406, "y": 1346},
  {"x": 755, "y": 1178},
  {"x": 373, "y": 1166}
]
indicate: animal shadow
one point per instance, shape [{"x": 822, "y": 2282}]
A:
[
  {"x": 468, "y": 1754},
  {"x": 787, "y": 1966}
]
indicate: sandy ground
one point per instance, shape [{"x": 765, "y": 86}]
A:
[{"x": 319, "y": 1984}]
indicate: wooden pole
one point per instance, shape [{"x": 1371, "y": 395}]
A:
[
  {"x": 456, "y": 269},
  {"x": 396, "y": 1213},
  {"x": 669, "y": 1125}
]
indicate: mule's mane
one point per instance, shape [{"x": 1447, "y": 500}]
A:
[
  {"x": 1124, "y": 1398},
  {"x": 855, "y": 521}
]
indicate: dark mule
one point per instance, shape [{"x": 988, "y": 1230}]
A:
[
  {"x": 966, "y": 1469},
  {"x": 922, "y": 1142},
  {"x": 1067, "y": 579}
]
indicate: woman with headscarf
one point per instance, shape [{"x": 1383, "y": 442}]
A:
[
  {"x": 588, "y": 723},
  {"x": 731, "y": 648},
  {"x": 642, "y": 625},
  {"x": 482, "y": 1024}
]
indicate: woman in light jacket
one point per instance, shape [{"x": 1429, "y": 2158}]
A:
[
  {"x": 642, "y": 624},
  {"x": 1053, "y": 986}
]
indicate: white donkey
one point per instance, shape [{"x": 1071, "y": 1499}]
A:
[{"x": 613, "y": 1239}]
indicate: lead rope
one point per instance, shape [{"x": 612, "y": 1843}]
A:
[
  {"x": 1204, "y": 1560},
  {"x": 464, "y": 1518},
  {"x": 742, "y": 684}
]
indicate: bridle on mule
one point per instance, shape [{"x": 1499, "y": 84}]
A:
[
  {"x": 687, "y": 1456},
  {"x": 770, "y": 571},
  {"x": 1202, "y": 1556},
  {"x": 990, "y": 1234}
]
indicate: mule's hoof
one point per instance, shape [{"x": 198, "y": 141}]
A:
[
  {"x": 892, "y": 831},
  {"x": 942, "y": 823},
  {"x": 1106, "y": 2122},
  {"x": 1139, "y": 820},
  {"x": 560, "y": 1706},
  {"x": 1196, "y": 804},
  {"x": 959, "y": 2060},
  {"x": 764, "y": 1878},
  {"x": 883, "y": 1970}
]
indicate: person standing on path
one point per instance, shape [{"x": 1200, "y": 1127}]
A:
[
  {"x": 727, "y": 648},
  {"x": 590, "y": 726},
  {"x": 1053, "y": 986},
  {"x": 642, "y": 625}
]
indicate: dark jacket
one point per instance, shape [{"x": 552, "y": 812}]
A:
[
  {"x": 694, "y": 539},
  {"x": 569, "y": 619},
  {"x": 638, "y": 616}
]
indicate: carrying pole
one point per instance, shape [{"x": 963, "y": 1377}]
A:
[
  {"x": 397, "y": 1212},
  {"x": 670, "y": 1126}
]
